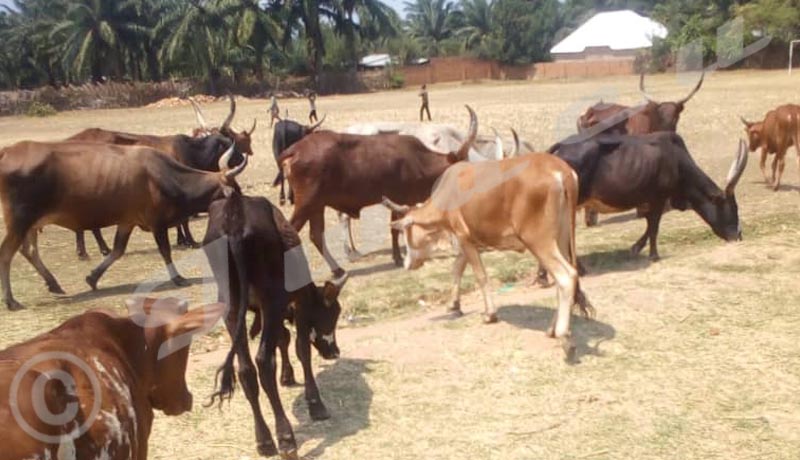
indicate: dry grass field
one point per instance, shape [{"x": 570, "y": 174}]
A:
[{"x": 693, "y": 357}]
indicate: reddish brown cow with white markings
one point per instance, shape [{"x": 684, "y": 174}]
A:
[{"x": 88, "y": 388}]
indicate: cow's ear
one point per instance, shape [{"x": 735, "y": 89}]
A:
[{"x": 198, "y": 320}]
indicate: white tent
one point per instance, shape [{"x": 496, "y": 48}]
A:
[{"x": 618, "y": 31}]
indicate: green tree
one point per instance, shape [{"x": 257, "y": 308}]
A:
[
  {"x": 477, "y": 23},
  {"x": 779, "y": 19},
  {"x": 526, "y": 29},
  {"x": 96, "y": 34},
  {"x": 432, "y": 23},
  {"x": 198, "y": 33}
]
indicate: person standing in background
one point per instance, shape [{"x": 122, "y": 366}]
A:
[
  {"x": 312, "y": 102},
  {"x": 425, "y": 108},
  {"x": 274, "y": 111}
]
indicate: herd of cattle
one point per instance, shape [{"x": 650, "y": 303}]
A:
[{"x": 441, "y": 185}]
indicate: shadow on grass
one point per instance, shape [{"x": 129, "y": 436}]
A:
[
  {"x": 614, "y": 260},
  {"x": 373, "y": 269},
  {"x": 129, "y": 288},
  {"x": 538, "y": 318},
  {"x": 619, "y": 218},
  {"x": 348, "y": 398}
]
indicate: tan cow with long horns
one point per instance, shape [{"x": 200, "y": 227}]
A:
[{"x": 519, "y": 204}]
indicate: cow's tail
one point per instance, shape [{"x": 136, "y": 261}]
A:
[{"x": 233, "y": 227}]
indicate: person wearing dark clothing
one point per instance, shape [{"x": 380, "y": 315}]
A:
[{"x": 425, "y": 107}]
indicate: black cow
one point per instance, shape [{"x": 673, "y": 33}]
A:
[
  {"x": 618, "y": 173},
  {"x": 285, "y": 134},
  {"x": 261, "y": 266}
]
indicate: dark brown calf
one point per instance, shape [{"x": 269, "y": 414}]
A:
[{"x": 261, "y": 266}]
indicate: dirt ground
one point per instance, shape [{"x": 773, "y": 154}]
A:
[{"x": 693, "y": 357}]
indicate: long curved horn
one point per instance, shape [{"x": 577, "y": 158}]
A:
[
  {"x": 463, "y": 152},
  {"x": 238, "y": 170},
  {"x": 253, "y": 129},
  {"x": 515, "y": 153},
  {"x": 737, "y": 169},
  {"x": 643, "y": 91},
  {"x": 695, "y": 90},
  {"x": 498, "y": 146},
  {"x": 227, "y": 122},
  {"x": 746, "y": 123},
  {"x": 201, "y": 120},
  {"x": 400, "y": 209},
  {"x": 226, "y": 158},
  {"x": 312, "y": 128}
]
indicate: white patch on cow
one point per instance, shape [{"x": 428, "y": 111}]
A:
[
  {"x": 66, "y": 449},
  {"x": 328, "y": 338},
  {"x": 313, "y": 335},
  {"x": 48, "y": 455},
  {"x": 114, "y": 427},
  {"x": 121, "y": 388},
  {"x": 575, "y": 176}
]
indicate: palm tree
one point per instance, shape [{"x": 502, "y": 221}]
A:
[
  {"x": 96, "y": 34},
  {"x": 376, "y": 21},
  {"x": 477, "y": 26},
  {"x": 196, "y": 32},
  {"x": 256, "y": 28},
  {"x": 432, "y": 22},
  {"x": 304, "y": 16}
]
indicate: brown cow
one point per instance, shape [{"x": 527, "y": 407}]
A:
[
  {"x": 86, "y": 185},
  {"x": 643, "y": 119},
  {"x": 88, "y": 388},
  {"x": 350, "y": 172},
  {"x": 779, "y": 130},
  {"x": 647, "y": 118},
  {"x": 200, "y": 151},
  {"x": 526, "y": 203}
]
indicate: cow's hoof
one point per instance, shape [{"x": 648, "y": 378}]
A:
[
  {"x": 636, "y": 250},
  {"x": 654, "y": 257},
  {"x": 455, "y": 310},
  {"x": 570, "y": 351},
  {"x": 180, "y": 281},
  {"x": 540, "y": 281},
  {"x": 105, "y": 251},
  {"x": 83, "y": 256},
  {"x": 267, "y": 449},
  {"x": 290, "y": 454},
  {"x": 283, "y": 201},
  {"x": 339, "y": 273},
  {"x": 56, "y": 289},
  {"x": 489, "y": 318},
  {"x": 92, "y": 282},
  {"x": 398, "y": 262},
  {"x": 318, "y": 412},
  {"x": 13, "y": 305}
]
